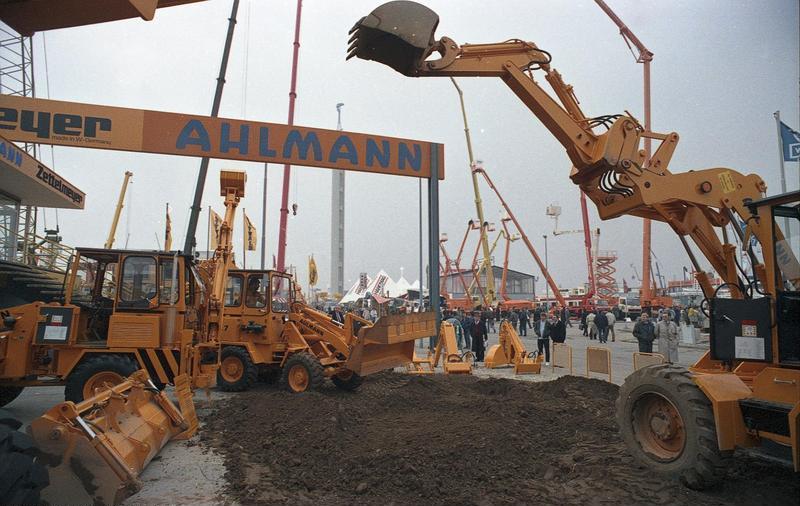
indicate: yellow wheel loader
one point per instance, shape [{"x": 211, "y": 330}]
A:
[
  {"x": 130, "y": 323},
  {"x": 746, "y": 389},
  {"x": 270, "y": 333}
]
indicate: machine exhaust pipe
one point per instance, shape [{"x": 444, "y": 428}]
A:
[{"x": 399, "y": 34}]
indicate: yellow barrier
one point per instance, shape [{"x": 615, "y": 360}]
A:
[{"x": 598, "y": 360}]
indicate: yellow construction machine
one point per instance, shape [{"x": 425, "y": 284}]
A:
[
  {"x": 511, "y": 351},
  {"x": 130, "y": 323},
  {"x": 270, "y": 332},
  {"x": 446, "y": 349},
  {"x": 122, "y": 310},
  {"x": 746, "y": 389}
]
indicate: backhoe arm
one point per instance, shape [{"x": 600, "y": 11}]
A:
[{"x": 609, "y": 167}]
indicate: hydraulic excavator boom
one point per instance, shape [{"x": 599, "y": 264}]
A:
[{"x": 678, "y": 422}]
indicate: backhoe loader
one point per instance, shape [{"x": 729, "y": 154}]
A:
[
  {"x": 122, "y": 310},
  {"x": 746, "y": 389},
  {"x": 130, "y": 323},
  {"x": 269, "y": 332}
]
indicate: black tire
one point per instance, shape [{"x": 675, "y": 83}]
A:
[
  {"x": 94, "y": 364},
  {"x": 8, "y": 394},
  {"x": 249, "y": 371},
  {"x": 348, "y": 380},
  {"x": 696, "y": 459},
  {"x": 22, "y": 477},
  {"x": 316, "y": 375}
]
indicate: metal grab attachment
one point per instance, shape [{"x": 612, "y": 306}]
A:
[
  {"x": 95, "y": 450},
  {"x": 447, "y": 349}
]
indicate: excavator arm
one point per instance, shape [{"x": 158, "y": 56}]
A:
[{"x": 610, "y": 166}]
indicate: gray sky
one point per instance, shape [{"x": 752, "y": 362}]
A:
[{"x": 721, "y": 68}]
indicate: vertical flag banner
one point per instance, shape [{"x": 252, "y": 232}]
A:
[
  {"x": 312, "y": 271},
  {"x": 250, "y": 234},
  {"x": 216, "y": 223},
  {"x": 790, "y": 141},
  {"x": 168, "y": 232}
]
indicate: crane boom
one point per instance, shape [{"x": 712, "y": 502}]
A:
[{"x": 112, "y": 233}]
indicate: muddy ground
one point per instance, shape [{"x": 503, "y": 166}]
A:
[{"x": 452, "y": 440}]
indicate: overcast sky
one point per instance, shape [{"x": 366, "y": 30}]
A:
[{"x": 721, "y": 68}]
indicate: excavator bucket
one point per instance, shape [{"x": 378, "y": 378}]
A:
[
  {"x": 232, "y": 180},
  {"x": 390, "y": 342},
  {"x": 398, "y": 34},
  {"x": 95, "y": 450}
]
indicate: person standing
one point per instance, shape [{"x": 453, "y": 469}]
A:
[
  {"x": 513, "y": 317},
  {"x": 558, "y": 331},
  {"x": 601, "y": 322},
  {"x": 584, "y": 323},
  {"x": 489, "y": 315},
  {"x": 523, "y": 322},
  {"x": 565, "y": 317},
  {"x": 644, "y": 332},
  {"x": 667, "y": 333},
  {"x": 612, "y": 319},
  {"x": 591, "y": 326},
  {"x": 542, "y": 330},
  {"x": 337, "y": 315},
  {"x": 478, "y": 332},
  {"x": 466, "y": 325}
]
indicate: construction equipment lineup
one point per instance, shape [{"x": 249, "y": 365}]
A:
[{"x": 466, "y": 386}]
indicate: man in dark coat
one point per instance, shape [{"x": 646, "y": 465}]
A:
[
  {"x": 523, "y": 322},
  {"x": 565, "y": 317},
  {"x": 584, "y": 326},
  {"x": 478, "y": 333},
  {"x": 601, "y": 322},
  {"x": 645, "y": 332},
  {"x": 558, "y": 331},
  {"x": 543, "y": 329}
]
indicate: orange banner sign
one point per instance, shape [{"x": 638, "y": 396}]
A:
[{"x": 93, "y": 126}]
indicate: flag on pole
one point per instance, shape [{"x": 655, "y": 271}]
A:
[
  {"x": 168, "y": 232},
  {"x": 216, "y": 224},
  {"x": 790, "y": 141},
  {"x": 312, "y": 271},
  {"x": 250, "y": 234}
]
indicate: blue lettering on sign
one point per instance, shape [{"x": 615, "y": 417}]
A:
[
  {"x": 263, "y": 143},
  {"x": 226, "y": 144},
  {"x": 343, "y": 148},
  {"x": 374, "y": 152},
  {"x": 295, "y": 138},
  {"x": 194, "y": 133},
  {"x": 405, "y": 155},
  {"x": 11, "y": 154}
]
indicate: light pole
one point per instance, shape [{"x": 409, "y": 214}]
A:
[
  {"x": 337, "y": 219},
  {"x": 547, "y": 268}
]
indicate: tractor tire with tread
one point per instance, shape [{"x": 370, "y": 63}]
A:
[
  {"x": 245, "y": 374},
  {"x": 347, "y": 382},
  {"x": 22, "y": 477},
  {"x": 8, "y": 394},
  {"x": 697, "y": 460},
  {"x": 310, "y": 377},
  {"x": 93, "y": 365}
]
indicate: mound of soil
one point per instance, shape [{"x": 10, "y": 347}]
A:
[{"x": 405, "y": 439}]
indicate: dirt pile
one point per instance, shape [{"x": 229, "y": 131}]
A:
[{"x": 451, "y": 440}]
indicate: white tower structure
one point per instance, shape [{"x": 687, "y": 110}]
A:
[{"x": 337, "y": 222}]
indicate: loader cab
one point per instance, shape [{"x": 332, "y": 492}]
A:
[
  {"x": 259, "y": 299},
  {"x": 781, "y": 259},
  {"x": 122, "y": 293}
]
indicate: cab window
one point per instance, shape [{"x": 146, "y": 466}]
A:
[
  {"x": 139, "y": 281},
  {"x": 281, "y": 291},
  {"x": 257, "y": 290},
  {"x": 166, "y": 284},
  {"x": 233, "y": 292}
]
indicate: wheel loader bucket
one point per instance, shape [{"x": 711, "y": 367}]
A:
[
  {"x": 95, "y": 450},
  {"x": 398, "y": 34},
  {"x": 390, "y": 342}
]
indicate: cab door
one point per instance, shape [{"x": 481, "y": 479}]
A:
[
  {"x": 280, "y": 300},
  {"x": 234, "y": 304},
  {"x": 255, "y": 312}
]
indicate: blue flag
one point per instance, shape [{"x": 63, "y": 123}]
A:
[{"x": 790, "y": 140}]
